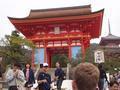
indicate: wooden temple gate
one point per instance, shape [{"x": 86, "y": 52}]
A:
[{"x": 58, "y": 29}]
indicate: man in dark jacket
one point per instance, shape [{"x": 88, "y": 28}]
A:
[
  {"x": 59, "y": 75},
  {"x": 44, "y": 79}
]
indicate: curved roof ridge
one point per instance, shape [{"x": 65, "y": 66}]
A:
[
  {"x": 111, "y": 36},
  {"x": 60, "y": 11},
  {"x": 61, "y": 8},
  {"x": 12, "y": 18}
]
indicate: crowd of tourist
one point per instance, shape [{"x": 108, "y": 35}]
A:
[
  {"x": 18, "y": 79},
  {"x": 115, "y": 76},
  {"x": 86, "y": 76}
]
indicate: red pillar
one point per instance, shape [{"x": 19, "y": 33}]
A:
[
  {"x": 32, "y": 63},
  {"x": 48, "y": 58},
  {"x": 83, "y": 51},
  {"x": 69, "y": 51},
  {"x": 45, "y": 54},
  {"x": 51, "y": 54}
]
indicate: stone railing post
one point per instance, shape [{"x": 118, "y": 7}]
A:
[{"x": 1, "y": 84}]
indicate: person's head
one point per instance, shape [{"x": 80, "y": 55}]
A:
[
  {"x": 57, "y": 64},
  {"x": 16, "y": 66},
  {"x": 100, "y": 66},
  {"x": 114, "y": 85},
  {"x": 86, "y": 77},
  {"x": 41, "y": 65},
  {"x": 45, "y": 67},
  {"x": 27, "y": 65}
]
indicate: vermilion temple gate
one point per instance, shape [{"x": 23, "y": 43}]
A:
[{"x": 57, "y": 30}]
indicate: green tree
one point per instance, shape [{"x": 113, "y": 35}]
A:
[
  {"x": 13, "y": 48},
  {"x": 62, "y": 58},
  {"x": 89, "y": 55}
]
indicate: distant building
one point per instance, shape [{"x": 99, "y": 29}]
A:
[
  {"x": 111, "y": 45},
  {"x": 110, "y": 40}
]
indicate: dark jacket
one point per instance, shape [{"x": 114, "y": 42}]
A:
[
  {"x": 31, "y": 78},
  {"x": 44, "y": 86},
  {"x": 60, "y": 73}
]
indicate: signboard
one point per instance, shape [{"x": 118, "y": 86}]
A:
[
  {"x": 57, "y": 30},
  {"x": 99, "y": 56}
]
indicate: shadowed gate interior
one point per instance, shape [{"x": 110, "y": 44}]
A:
[{"x": 58, "y": 54}]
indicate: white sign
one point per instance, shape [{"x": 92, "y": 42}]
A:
[
  {"x": 99, "y": 56},
  {"x": 57, "y": 30}
]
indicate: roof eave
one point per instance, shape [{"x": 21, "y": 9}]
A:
[{"x": 25, "y": 18}]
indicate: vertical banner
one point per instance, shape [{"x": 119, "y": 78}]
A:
[
  {"x": 39, "y": 55},
  {"x": 76, "y": 51},
  {"x": 99, "y": 56}
]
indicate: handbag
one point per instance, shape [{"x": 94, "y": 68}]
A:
[
  {"x": 35, "y": 85},
  {"x": 28, "y": 85}
]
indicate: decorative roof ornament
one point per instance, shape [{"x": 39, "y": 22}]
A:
[{"x": 109, "y": 28}]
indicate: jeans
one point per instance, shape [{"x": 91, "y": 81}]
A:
[
  {"x": 59, "y": 84},
  {"x": 101, "y": 84}
]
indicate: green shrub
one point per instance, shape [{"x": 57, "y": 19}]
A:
[{"x": 62, "y": 58}]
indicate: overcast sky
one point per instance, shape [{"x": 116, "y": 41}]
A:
[{"x": 21, "y": 8}]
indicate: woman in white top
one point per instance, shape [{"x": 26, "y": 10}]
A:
[{"x": 15, "y": 78}]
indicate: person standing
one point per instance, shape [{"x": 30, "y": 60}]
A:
[
  {"x": 35, "y": 85},
  {"x": 59, "y": 75},
  {"x": 44, "y": 79},
  {"x": 29, "y": 76},
  {"x": 102, "y": 78},
  {"x": 15, "y": 78},
  {"x": 38, "y": 71}
]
